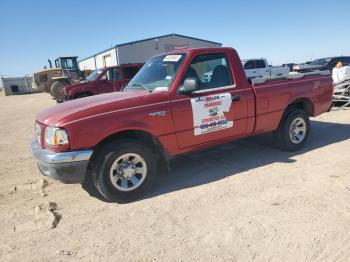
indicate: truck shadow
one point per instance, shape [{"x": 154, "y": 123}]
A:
[{"x": 230, "y": 159}]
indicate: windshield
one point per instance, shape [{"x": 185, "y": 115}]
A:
[
  {"x": 69, "y": 63},
  {"x": 93, "y": 76},
  {"x": 157, "y": 74},
  {"x": 322, "y": 61}
]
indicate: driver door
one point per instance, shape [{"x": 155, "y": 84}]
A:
[
  {"x": 109, "y": 82},
  {"x": 217, "y": 110}
]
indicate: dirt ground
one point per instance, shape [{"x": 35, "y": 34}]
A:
[{"x": 244, "y": 201}]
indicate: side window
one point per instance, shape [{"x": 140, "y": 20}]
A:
[
  {"x": 112, "y": 74},
  {"x": 69, "y": 64},
  {"x": 130, "y": 71},
  {"x": 210, "y": 71},
  {"x": 250, "y": 64},
  {"x": 260, "y": 64}
]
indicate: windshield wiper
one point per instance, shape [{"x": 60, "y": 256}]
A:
[{"x": 143, "y": 86}]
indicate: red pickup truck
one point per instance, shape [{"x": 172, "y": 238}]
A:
[
  {"x": 127, "y": 138},
  {"x": 105, "y": 80}
]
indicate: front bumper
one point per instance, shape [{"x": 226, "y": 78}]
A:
[{"x": 68, "y": 167}]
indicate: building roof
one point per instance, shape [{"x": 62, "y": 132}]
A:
[
  {"x": 147, "y": 39},
  {"x": 66, "y": 56}
]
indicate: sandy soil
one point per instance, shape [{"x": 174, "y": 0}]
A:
[{"x": 243, "y": 201}]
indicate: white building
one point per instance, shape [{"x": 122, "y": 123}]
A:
[
  {"x": 18, "y": 85},
  {"x": 140, "y": 51}
]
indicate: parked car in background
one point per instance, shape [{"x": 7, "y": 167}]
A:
[
  {"x": 321, "y": 64},
  {"x": 260, "y": 68},
  {"x": 127, "y": 138},
  {"x": 105, "y": 80},
  {"x": 290, "y": 65}
]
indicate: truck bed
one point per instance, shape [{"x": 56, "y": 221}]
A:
[{"x": 272, "y": 96}]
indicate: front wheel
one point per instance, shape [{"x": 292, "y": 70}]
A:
[
  {"x": 57, "y": 90},
  {"x": 293, "y": 130},
  {"x": 125, "y": 170}
]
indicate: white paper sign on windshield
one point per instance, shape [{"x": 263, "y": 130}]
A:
[
  {"x": 172, "y": 58},
  {"x": 208, "y": 113}
]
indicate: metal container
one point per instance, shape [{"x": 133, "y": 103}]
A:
[{"x": 18, "y": 85}]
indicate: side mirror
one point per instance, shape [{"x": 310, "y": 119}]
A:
[{"x": 190, "y": 85}]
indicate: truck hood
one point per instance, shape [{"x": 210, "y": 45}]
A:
[{"x": 61, "y": 114}]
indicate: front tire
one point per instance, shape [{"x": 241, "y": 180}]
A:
[
  {"x": 57, "y": 90},
  {"x": 293, "y": 130},
  {"x": 125, "y": 170}
]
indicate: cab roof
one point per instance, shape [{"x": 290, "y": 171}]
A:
[{"x": 200, "y": 50}]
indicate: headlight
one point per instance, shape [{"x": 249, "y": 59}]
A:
[
  {"x": 38, "y": 132},
  {"x": 56, "y": 136}
]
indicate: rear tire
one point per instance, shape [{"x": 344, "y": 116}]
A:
[
  {"x": 125, "y": 170},
  {"x": 293, "y": 130}
]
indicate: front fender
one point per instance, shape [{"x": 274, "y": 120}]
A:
[
  {"x": 88, "y": 132},
  {"x": 75, "y": 90}
]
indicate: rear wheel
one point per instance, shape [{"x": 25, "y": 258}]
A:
[
  {"x": 293, "y": 130},
  {"x": 57, "y": 90},
  {"x": 125, "y": 170}
]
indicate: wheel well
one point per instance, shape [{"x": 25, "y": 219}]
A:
[
  {"x": 303, "y": 104},
  {"x": 152, "y": 142},
  {"x": 143, "y": 136},
  {"x": 149, "y": 140}
]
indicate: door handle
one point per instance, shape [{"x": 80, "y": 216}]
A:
[{"x": 235, "y": 98}]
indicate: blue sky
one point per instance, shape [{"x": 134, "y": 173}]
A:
[{"x": 281, "y": 31}]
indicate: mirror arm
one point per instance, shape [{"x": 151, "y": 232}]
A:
[{"x": 182, "y": 91}]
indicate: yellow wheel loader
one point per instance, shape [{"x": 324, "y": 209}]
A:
[{"x": 53, "y": 79}]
